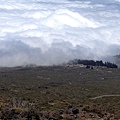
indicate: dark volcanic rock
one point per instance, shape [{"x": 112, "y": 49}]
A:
[{"x": 75, "y": 111}]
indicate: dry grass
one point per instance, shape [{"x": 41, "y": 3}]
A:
[{"x": 56, "y": 87}]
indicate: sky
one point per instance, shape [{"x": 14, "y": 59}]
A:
[{"x": 52, "y": 32}]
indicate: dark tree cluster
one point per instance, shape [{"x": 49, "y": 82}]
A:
[{"x": 93, "y": 63}]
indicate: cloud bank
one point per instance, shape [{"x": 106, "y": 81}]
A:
[{"x": 47, "y": 32}]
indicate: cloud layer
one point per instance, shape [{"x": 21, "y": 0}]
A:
[{"x": 47, "y": 32}]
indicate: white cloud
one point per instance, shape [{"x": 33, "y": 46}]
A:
[{"x": 48, "y": 32}]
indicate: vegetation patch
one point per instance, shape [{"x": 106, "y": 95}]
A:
[{"x": 59, "y": 92}]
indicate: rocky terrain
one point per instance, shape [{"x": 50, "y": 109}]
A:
[
  {"x": 80, "y": 112},
  {"x": 59, "y": 93}
]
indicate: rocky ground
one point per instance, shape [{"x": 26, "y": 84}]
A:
[
  {"x": 59, "y": 93},
  {"x": 18, "y": 111},
  {"x": 80, "y": 112}
]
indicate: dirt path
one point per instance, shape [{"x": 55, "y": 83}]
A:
[{"x": 101, "y": 96}]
